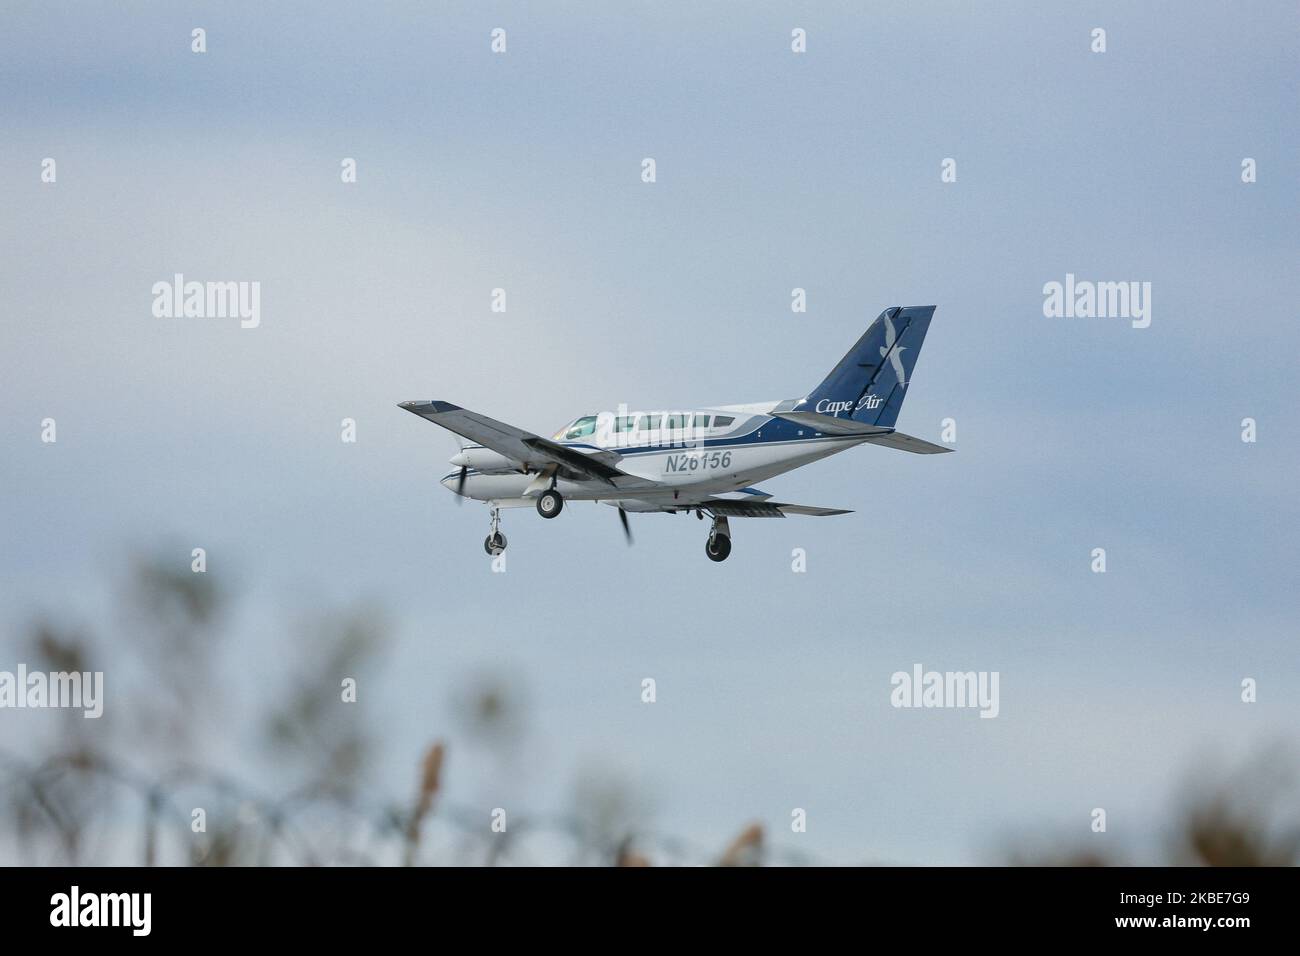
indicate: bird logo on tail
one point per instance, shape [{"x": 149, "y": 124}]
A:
[{"x": 893, "y": 354}]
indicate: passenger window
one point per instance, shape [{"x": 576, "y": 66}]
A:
[
  {"x": 701, "y": 421},
  {"x": 722, "y": 421},
  {"x": 649, "y": 423},
  {"x": 624, "y": 423},
  {"x": 675, "y": 421}
]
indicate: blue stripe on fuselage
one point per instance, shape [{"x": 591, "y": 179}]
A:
[{"x": 771, "y": 431}]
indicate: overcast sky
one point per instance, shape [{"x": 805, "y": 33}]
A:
[{"x": 775, "y": 170}]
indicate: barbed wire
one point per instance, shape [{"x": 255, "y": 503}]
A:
[{"x": 297, "y": 828}]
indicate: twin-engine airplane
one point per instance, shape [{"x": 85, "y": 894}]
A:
[{"x": 704, "y": 460}]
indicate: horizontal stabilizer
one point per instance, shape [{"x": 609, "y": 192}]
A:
[
  {"x": 830, "y": 425},
  {"x": 908, "y": 443},
  {"x": 745, "y": 494}
]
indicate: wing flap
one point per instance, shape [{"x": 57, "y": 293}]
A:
[{"x": 731, "y": 508}]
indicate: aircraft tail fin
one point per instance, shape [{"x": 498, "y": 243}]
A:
[{"x": 870, "y": 382}]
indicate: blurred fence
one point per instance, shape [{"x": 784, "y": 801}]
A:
[{"x": 81, "y": 809}]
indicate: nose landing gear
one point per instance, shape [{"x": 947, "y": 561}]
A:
[
  {"x": 495, "y": 542},
  {"x": 718, "y": 545}
]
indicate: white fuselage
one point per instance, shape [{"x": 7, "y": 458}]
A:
[{"x": 690, "y": 455}]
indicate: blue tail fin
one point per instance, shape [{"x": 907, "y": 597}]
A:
[{"x": 870, "y": 382}]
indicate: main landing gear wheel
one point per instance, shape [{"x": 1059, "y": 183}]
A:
[
  {"x": 717, "y": 547},
  {"x": 549, "y": 503}
]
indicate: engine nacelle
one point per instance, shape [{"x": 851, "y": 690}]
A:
[{"x": 484, "y": 460}]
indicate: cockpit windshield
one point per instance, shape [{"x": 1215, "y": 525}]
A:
[{"x": 580, "y": 429}]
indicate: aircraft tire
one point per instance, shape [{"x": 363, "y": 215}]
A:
[
  {"x": 549, "y": 503},
  {"x": 717, "y": 547}
]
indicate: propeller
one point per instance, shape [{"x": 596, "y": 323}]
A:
[
  {"x": 464, "y": 469},
  {"x": 627, "y": 531}
]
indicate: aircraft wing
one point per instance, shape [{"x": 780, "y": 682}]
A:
[
  {"x": 734, "y": 508},
  {"x": 533, "y": 452}
]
